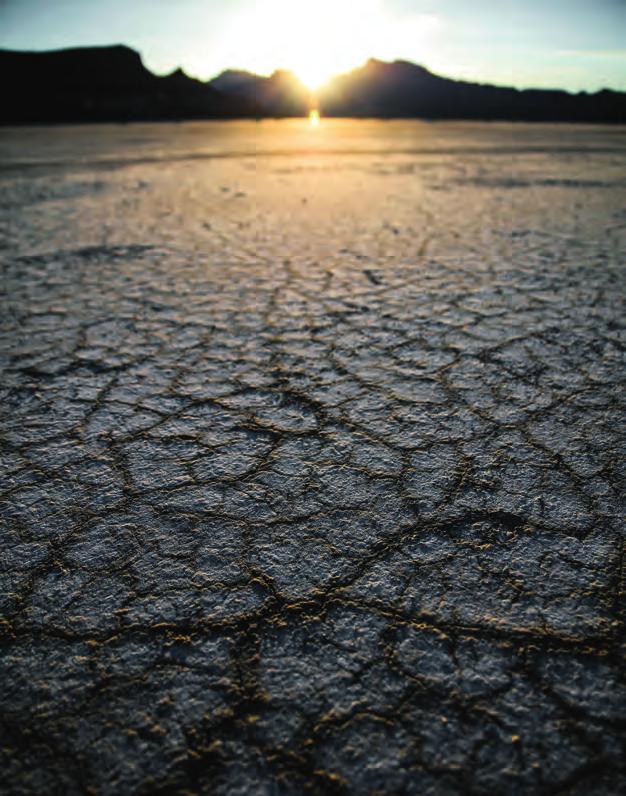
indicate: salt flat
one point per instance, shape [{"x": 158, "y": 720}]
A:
[{"x": 312, "y": 452}]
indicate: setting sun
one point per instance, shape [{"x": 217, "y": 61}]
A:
[{"x": 317, "y": 40}]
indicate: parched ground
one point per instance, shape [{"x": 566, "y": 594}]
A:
[{"x": 311, "y": 447}]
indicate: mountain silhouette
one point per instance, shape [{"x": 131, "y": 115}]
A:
[
  {"x": 104, "y": 84},
  {"x": 279, "y": 95},
  {"x": 112, "y": 84},
  {"x": 405, "y": 90}
]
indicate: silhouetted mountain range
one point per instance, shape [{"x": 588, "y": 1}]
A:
[
  {"x": 403, "y": 90},
  {"x": 281, "y": 94},
  {"x": 112, "y": 84},
  {"x": 104, "y": 84}
]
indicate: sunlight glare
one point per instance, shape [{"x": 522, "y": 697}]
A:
[
  {"x": 314, "y": 118},
  {"x": 318, "y": 39}
]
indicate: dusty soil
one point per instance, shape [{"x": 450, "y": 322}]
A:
[{"x": 311, "y": 446}]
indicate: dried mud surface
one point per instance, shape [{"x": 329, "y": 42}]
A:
[{"x": 311, "y": 459}]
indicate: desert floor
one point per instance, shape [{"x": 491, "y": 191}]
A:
[{"x": 311, "y": 445}]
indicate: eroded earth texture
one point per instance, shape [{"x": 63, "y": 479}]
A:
[{"x": 311, "y": 449}]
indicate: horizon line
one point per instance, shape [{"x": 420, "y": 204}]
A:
[{"x": 288, "y": 70}]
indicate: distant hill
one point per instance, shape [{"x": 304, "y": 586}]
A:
[
  {"x": 104, "y": 84},
  {"x": 281, "y": 94},
  {"x": 112, "y": 84},
  {"x": 402, "y": 89}
]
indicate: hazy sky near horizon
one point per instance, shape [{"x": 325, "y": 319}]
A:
[{"x": 573, "y": 44}]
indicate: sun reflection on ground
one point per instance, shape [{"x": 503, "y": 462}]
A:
[{"x": 314, "y": 118}]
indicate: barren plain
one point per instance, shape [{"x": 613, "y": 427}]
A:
[{"x": 311, "y": 451}]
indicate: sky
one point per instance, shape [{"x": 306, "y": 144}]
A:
[{"x": 571, "y": 44}]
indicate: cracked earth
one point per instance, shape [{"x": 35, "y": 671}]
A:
[{"x": 311, "y": 446}]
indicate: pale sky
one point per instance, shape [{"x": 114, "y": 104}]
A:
[{"x": 573, "y": 44}]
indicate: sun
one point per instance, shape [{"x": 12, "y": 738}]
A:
[
  {"x": 316, "y": 66},
  {"x": 312, "y": 37},
  {"x": 313, "y": 73},
  {"x": 318, "y": 39},
  {"x": 315, "y": 39}
]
